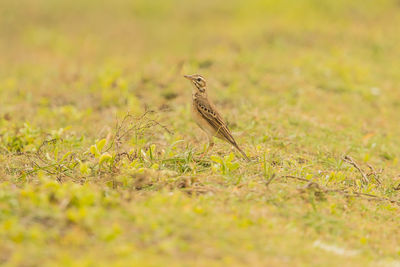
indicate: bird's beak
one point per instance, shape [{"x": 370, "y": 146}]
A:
[{"x": 189, "y": 77}]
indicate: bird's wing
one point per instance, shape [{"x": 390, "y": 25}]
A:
[{"x": 209, "y": 113}]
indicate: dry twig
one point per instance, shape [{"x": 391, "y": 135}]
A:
[
  {"x": 375, "y": 173},
  {"x": 270, "y": 180},
  {"x": 349, "y": 160},
  {"x": 344, "y": 192},
  {"x": 131, "y": 124}
]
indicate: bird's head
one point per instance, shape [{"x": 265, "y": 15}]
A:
[{"x": 198, "y": 82}]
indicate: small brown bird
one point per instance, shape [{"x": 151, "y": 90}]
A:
[{"x": 206, "y": 115}]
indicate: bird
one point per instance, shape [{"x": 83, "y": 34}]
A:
[{"x": 206, "y": 115}]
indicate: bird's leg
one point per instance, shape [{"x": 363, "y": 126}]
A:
[{"x": 210, "y": 146}]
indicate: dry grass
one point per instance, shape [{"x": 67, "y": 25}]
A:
[{"x": 83, "y": 183}]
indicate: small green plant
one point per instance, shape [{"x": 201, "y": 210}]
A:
[
  {"x": 97, "y": 151},
  {"x": 296, "y": 95},
  {"x": 267, "y": 169},
  {"x": 224, "y": 165},
  {"x": 23, "y": 139}
]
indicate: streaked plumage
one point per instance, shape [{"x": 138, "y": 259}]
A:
[{"x": 206, "y": 115}]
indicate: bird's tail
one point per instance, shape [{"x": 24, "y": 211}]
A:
[{"x": 242, "y": 152}]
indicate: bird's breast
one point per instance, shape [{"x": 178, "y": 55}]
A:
[{"x": 201, "y": 121}]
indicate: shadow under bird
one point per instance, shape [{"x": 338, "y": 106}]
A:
[{"x": 206, "y": 115}]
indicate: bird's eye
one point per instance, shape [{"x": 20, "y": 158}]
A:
[{"x": 199, "y": 79}]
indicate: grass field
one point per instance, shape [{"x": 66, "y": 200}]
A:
[{"x": 100, "y": 159}]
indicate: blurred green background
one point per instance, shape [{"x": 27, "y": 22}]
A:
[{"x": 300, "y": 82}]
